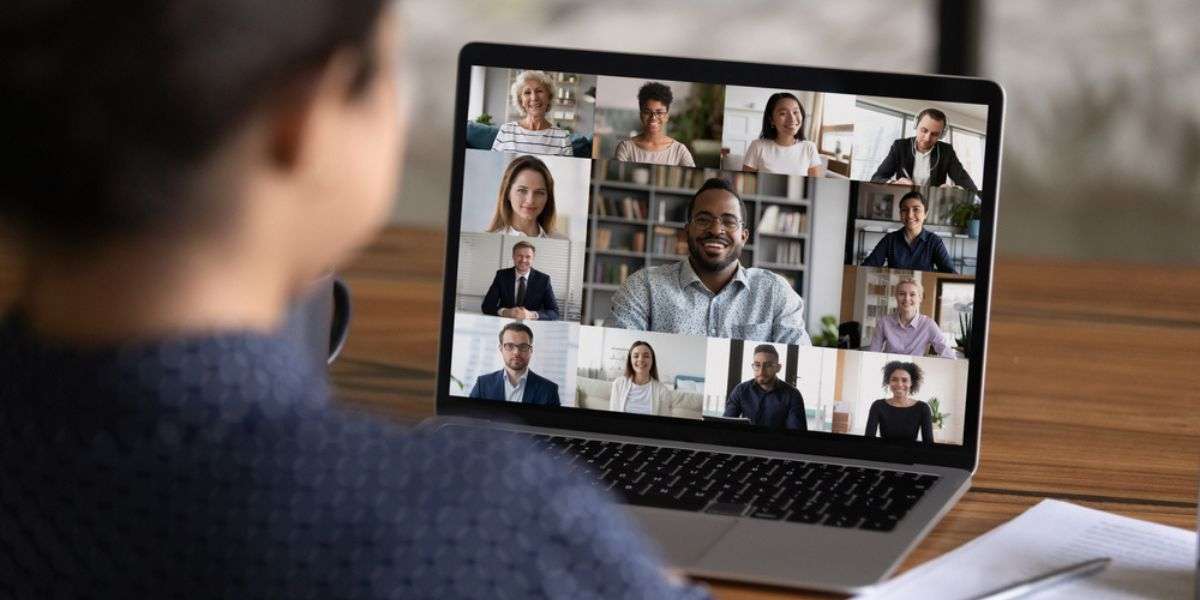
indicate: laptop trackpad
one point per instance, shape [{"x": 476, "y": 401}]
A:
[{"x": 683, "y": 536}]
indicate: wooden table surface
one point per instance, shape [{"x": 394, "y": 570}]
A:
[{"x": 1092, "y": 385}]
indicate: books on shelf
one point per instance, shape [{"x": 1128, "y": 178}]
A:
[
  {"x": 603, "y": 238},
  {"x": 611, "y": 272},
  {"x": 668, "y": 240},
  {"x": 789, "y": 253},
  {"x": 639, "y": 241},
  {"x": 777, "y": 220},
  {"x": 626, "y": 208}
]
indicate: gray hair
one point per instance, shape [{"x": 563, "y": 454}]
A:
[{"x": 538, "y": 76}]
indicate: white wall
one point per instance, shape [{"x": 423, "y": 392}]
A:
[
  {"x": 830, "y": 210},
  {"x": 475, "y": 352},
  {"x": 945, "y": 379},
  {"x": 601, "y": 347},
  {"x": 483, "y": 170}
]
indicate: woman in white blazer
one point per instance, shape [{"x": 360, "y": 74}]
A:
[{"x": 640, "y": 391}]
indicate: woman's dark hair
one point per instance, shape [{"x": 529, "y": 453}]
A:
[
  {"x": 914, "y": 194},
  {"x": 112, "y": 108},
  {"x": 914, "y": 373},
  {"x": 768, "y": 128},
  {"x": 653, "y": 360},
  {"x": 655, "y": 91}
]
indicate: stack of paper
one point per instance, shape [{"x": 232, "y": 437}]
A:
[{"x": 1148, "y": 560}]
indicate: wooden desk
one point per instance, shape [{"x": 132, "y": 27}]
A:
[{"x": 1093, "y": 383}]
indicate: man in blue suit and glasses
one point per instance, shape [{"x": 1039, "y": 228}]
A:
[
  {"x": 520, "y": 291},
  {"x": 516, "y": 382}
]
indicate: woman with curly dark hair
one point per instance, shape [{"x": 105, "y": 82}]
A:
[
  {"x": 652, "y": 145},
  {"x": 900, "y": 417}
]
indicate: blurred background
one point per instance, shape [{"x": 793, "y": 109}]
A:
[{"x": 1102, "y": 141}]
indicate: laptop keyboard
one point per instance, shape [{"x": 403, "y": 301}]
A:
[{"x": 729, "y": 484}]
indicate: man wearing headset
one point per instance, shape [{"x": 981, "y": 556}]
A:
[{"x": 922, "y": 159}]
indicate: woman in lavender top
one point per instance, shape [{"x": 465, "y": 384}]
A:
[{"x": 907, "y": 331}]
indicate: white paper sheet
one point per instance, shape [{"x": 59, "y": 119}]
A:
[{"x": 1149, "y": 560}]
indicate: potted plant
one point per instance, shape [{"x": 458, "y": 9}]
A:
[
  {"x": 939, "y": 417},
  {"x": 966, "y": 215},
  {"x": 698, "y": 124},
  {"x": 828, "y": 337},
  {"x": 964, "y": 325}
]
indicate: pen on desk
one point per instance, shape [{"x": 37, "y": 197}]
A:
[{"x": 1046, "y": 580}]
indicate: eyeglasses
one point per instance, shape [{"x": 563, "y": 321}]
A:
[
  {"x": 511, "y": 347},
  {"x": 705, "y": 220},
  {"x": 654, "y": 114},
  {"x": 757, "y": 366}
]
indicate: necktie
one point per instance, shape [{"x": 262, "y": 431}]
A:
[{"x": 521, "y": 291}]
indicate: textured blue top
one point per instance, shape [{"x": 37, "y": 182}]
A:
[
  {"x": 927, "y": 253},
  {"x": 215, "y": 466}
]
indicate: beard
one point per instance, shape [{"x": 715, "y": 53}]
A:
[{"x": 702, "y": 262}]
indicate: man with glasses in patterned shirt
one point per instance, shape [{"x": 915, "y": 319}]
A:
[
  {"x": 710, "y": 293},
  {"x": 516, "y": 382}
]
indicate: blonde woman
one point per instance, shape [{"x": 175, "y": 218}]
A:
[
  {"x": 531, "y": 94},
  {"x": 640, "y": 391},
  {"x": 525, "y": 201}
]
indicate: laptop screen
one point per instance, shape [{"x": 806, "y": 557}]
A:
[{"x": 773, "y": 259}]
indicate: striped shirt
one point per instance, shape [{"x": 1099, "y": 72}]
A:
[
  {"x": 755, "y": 305},
  {"x": 514, "y": 138}
]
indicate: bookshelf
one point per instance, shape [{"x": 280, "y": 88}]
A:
[{"x": 638, "y": 219}]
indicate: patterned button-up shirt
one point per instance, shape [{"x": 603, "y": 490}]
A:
[{"x": 755, "y": 305}]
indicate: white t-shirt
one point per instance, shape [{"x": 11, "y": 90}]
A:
[
  {"x": 638, "y": 400},
  {"x": 921, "y": 167},
  {"x": 675, "y": 154},
  {"x": 514, "y": 138},
  {"x": 769, "y": 157}
]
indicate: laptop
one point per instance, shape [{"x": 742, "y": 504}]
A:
[{"x": 750, "y": 301}]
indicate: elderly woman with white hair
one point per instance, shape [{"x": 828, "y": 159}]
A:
[{"x": 532, "y": 93}]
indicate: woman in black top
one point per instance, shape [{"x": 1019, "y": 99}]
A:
[{"x": 899, "y": 418}]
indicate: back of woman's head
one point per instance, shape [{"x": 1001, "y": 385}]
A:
[{"x": 108, "y": 109}]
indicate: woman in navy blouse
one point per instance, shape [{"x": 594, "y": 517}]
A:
[
  {"x": 183, "y": 168},
  {"x": 912, "y": 247}
]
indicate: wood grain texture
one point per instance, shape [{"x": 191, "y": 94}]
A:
[{"x": 1092, "y": 383}]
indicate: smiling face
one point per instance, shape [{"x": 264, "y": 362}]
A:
[
  {"x": 527, "y": 195},
  {"x": 786, "y": 118},
  {"x": 765, "y": 367},
  {"x": 642, "y": 359},
  {"x": 912, "y": 214},
  {"x": 534, "y": 99},
  {"x": 523, "y": 259},
  {"x": 899, "y": 382},
  {"x": 908, "y": 298},
  {"x": 654, "y": 117},
  {"x": 929, "y": 131},
  {"x": 713, "y": 248}
]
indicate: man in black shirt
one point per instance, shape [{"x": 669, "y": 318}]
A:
[{"x": 767, "y": 400}]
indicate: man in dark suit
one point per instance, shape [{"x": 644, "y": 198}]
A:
[
  {"x": 521, "y": 292},
  {"x": 767, "y": 400},
  {"x": 515, "y": 382},
  {"x": 923, "y": 159}
]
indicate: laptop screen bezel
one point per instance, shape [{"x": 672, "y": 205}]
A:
[{"x": 923, "y": 87}]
